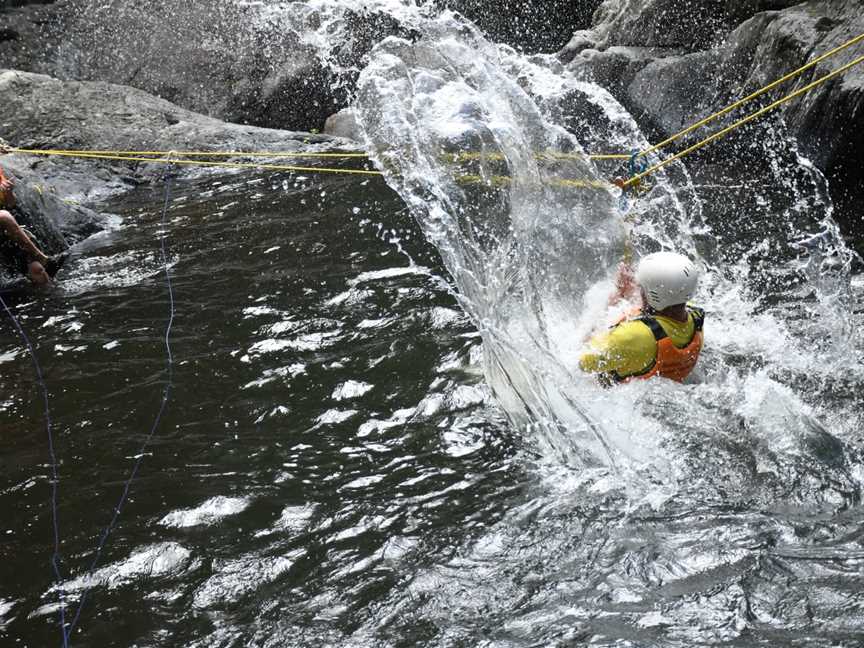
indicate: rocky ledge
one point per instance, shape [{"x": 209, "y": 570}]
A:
[
  {"x": 246, "y": 62},
  {"x": 43, "y": 112}
]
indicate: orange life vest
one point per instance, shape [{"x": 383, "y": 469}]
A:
[{"x": 671, "y": 362}]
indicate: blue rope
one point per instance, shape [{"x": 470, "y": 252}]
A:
[
  {"x": 636, "y": 165},
  {"x": 55, "y": 480},
  {"x": 166, "y": 395}
]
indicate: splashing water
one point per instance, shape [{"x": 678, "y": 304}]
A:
[{"x": 479, "y": 141}]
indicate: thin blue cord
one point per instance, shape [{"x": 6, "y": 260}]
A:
[
  {"x": 166, "y": 395},
  {"x": 55, "y": 481}
]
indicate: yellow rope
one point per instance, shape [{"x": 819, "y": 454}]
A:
[
  {"x": 610, "y": 156},
  {"x": 502, "y": 180},
  {"x": 750, "y": 97},
  {"x": 469, "y": 179},
  {"x": 708, "y": 140},
  {"x": 228, "y": 165},
  {"x": 548, "y": 155},
  {"x": 454, "y": 157}
]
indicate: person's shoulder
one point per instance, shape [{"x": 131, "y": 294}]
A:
[
  {"x": 633, "y": 332},
  {"x": 697, "y": 314}
]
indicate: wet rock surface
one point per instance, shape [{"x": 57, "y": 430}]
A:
[
  {"x": 671, "y": 64},
  {"x": 247, "y": 63}
]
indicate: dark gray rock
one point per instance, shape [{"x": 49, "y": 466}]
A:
[
  {"x": 672, "y": 24},
  {"x": 641, "y": 52},
  {"x": 224, "y": 59},
  {"x": 650, "y": 23},
  {"x": 527, "y": 25},
  {"x": 615, "y": 68},
  {"x": 22, "y": 25},
  {"x": 248, "y": 63},
  {"x": 740, "y": 10},
  {"x": 669, "y": 93}
]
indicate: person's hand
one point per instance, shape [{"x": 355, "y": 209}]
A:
[
  {"x": 625, "y": 281},
  {"x": 626, "y": 288},
  {"x": 7, "y": 198}
]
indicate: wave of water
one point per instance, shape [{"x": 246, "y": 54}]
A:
[{"x": 480, "y": 142}]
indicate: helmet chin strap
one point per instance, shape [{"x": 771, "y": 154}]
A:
[{"x": 647, "y": 308}]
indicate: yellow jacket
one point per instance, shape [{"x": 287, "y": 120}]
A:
[{"x": 630, "y": 348}]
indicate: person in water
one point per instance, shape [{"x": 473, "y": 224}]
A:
[
  {"x": 662, "y": 338},
  {"x": 17, "y": 246}
]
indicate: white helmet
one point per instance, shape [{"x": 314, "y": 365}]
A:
[{"x": 667, "y": 278}]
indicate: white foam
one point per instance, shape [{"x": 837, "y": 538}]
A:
[
  {"x": 236, "y": 579},
  {"x": 335, "y": 416},
  {"x": 5, "y": 609},
  {"x": 209, "y": 513},
  {"x": 154, "y": 561},
  {"x": 389, "y": 273},
  {"x": 350, "y": 390}
]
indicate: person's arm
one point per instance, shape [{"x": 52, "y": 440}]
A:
[
  {"x": 13, "y": 230},
  {"x": 7, "y": 196},
  {"x": 626, "y": 350},
  {"x": 626, "y": 288}
]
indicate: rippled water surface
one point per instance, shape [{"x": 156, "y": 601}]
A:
[
  {"x": 332, "y": 470},
  {"x": 326, "y": 425}
]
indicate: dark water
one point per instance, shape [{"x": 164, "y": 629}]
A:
[
  {"x": 322, "y": 387},
  {"x": 332, "y": 470}
]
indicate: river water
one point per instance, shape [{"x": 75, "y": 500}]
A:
[{"x": 376, "y": 434}]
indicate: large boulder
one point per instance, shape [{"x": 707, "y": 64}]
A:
[
  {"x": 43, "y": 112},
  {"x": 229, "y": 60},
  {"x": 669, "y": 77}
]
